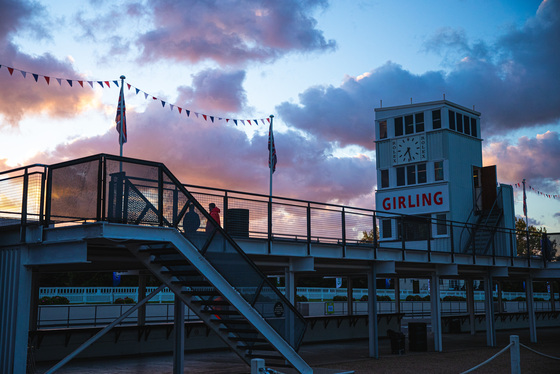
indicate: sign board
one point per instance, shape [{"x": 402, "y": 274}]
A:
[{"x": 417, "y": 200}]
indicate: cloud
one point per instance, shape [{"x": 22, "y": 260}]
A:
[
  {"x": 533, "y": 159},
  {"x": 21, "y": 16},
  {"x": 231, "y": 32},
  {"x": 215, "y": 89}
]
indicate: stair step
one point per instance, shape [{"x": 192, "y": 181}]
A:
[
  {"x": 211, "y": 302},
  {"x": 240, "y": 331},
  {"x": 248, "y": 339},
  {"x": 221, "y": 312},
  {"x": 201, "y": 292},
  {"x": 264, "y": 356},
  {"x": 230, "y": 321},
  {"x": 267, "y": 347},
  {"x": 181, "y": 272},
  {"x": 166, "y": 262},
  {"x": 192, "y": 283}
]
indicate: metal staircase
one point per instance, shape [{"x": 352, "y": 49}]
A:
[
  {"x": 201, "y": 263},
  {"x": 482, "y": 233}
]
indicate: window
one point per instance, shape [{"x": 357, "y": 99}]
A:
[
  {"x": 398, "y": 126},
  {"x": 384, "y": 178},
  {"x": 466, "y": 126},
  {"x": 382, "y": 129},
  {"x": 409, "y": 124},
  {"x": 436, "y": 119},
  {"x": 441, "y": 224},
  {"x": 419, "y": 119},
  {"x": 386, "y": 229},
  {"x": 400, "y": 176},
  {"x": 459, "y": 122},
  {"x": 411, "y": 174},
  {"x": 421, "y": 173},
  {"x": 414, "y": 227},
  {"x": 438, "y": 170},
  {"x": 452, "y": 120},
  {"x": 473, "y": 127}
]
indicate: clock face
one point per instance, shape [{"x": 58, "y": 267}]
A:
[{"x": 409, "y": 149}]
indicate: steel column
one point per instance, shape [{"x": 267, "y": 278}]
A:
[{"x": 373, "y": 344}]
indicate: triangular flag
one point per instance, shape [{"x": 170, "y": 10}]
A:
[
  {"x": 146, "y": 95},
  {"x": 227, "y": 120},
  {"x": 212, "y": 119},
  {"x": 188, "y": 112},
  {"x": 11, "y": 70},
  {"x": 81, "y": 83},
  {"x": 48, "y": 80},
  {"x": 235, "y": 122},
  {"x": 204, "y": 115},
  {"x": 256, "y": 122},
  {"x": 69, "y": 82},
  {"x": 262, "y": 120},
  {"x": 23, "y": 73},
  {"x": 179, "y": 109},
  {"x": 116, "y": 83},
  {"x": 163, "y": 103},
  {"x": 128, "y": 84},
  {"x": 196, "y": 114},
  {"x": 171, "y": 107},
  {"x": 243, "y": 122},
  {"x": 154, "y": 98},
  {"x": 59, "y": 80},
  {"x": 107, "y": 83},
  {"x": 90, "y": 83},
  {"x": 36, "y": 77},
  {"x": 100, "y": 83},
  {"x": 268, "y": 119},
  {"x": 137, "y": 90}
]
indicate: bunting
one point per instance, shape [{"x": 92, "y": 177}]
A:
[
  {"x": 74, "y": 83},
  {"x": 549, "y": 196}
]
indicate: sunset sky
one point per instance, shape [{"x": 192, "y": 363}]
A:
[{"x": 320, "y": 67}]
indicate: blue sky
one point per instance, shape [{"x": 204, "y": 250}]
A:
[{"x": 319, "y": 67}]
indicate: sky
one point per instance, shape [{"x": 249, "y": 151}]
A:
[{"x": 319, "y": 67}]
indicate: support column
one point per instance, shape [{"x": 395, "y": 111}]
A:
[
  {"x": 179, "y": 339},
  {"x": 142, "y": 280},
  {"x": 551, "y": 293},
  {"x": 349, "y": 296},
  {"x": 470, "y": 304},
  {"x": 290, "y": 285},
  {"x": 531, "y": 309},
  {"x": 489, "y": 309},
  {"x": 500, "y": 301},
  {"x": 397, "y": 284},
  {"x": 372, "y": 313},
  {"x": 436, "y": 312}
]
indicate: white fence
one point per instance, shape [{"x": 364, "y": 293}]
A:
[{"x": 108, "y": 295}]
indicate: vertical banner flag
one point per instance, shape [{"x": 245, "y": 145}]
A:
[
  {"x": 271, "y": 149},
  {"x": 120, "y": 118},
  {"x": 524, "y": 200}
]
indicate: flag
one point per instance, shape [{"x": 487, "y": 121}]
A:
[
  {"x": 121, "y": 125},
  {"x": 271, "y": 149}
]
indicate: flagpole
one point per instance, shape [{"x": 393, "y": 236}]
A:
[
  {"x": 525, "y": 207},
  {"x": 270, "y": 165},
  {"x": 121, "y": 105}
]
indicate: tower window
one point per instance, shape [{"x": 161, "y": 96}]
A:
[
  {"x": 419, "y": 119},
  {"x": 411, "y": 174},
  {"x": 409, "y": 124},
  {"x": 386, "y": 229},
  {"x": 441, "y": 225},
  {"x": 400, "y": 176},
  {"x": 398, "y": 126},
  {"x": 422, "y": 173},
  {"x": 452, "y": 120},
  {"x": 459, "y": 122},
  {"x": 473, "y": 127},
  {"x": 466, "y": 126},
  {"x": 438, "y": 170},
  {"x": 384, "y": 178},
  {"x": 436, "y": 119},
  {"x": 382, "y": 129}
]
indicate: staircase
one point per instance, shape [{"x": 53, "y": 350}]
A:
[{"x": 483, "y": 231}]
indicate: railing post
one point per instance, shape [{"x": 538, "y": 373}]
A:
[
  {"x": 429, "y": 228},
  {"x": 514, "y": 354},
  {"x": 309, "y": 229},
  {"x": 23, "y": 227},
  {"x": 269, "y": 224},
  {"x": 100, "y": 201},
  {"x": 374, "y": 236},
  {"x": 226, "y": 207},
  {"x": 452, "y": 241},
  {"x": 160, "y": 196},
  {"x": 42, "y": 196},
  {"x": 343, "y": 232}
]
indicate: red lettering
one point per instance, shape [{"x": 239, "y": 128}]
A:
[
  {"x": 426, "y": 199},
  {"x": 387, "y": 203},
  {"x": 417, "y": 200},
  {"x": 438, "y": 199},
  {"x": 402, "y": 204},
  {"x": 410, "y": 205}
]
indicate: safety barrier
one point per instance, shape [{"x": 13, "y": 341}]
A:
[{"x": 515, "y": 357}]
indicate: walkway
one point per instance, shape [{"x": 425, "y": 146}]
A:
[{"x": 462, "y": 351}]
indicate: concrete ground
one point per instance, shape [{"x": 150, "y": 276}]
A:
[{"x": 460, "y": 353}]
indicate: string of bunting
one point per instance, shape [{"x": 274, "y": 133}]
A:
[
  {"x": 520, "y": 185},
  {"x": 107, "y": 84}
]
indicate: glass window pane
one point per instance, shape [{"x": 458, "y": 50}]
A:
[
  {"x": 382, "y": 129},
  {"x": 441, "y": 226},
  {"x": 409, "y": 124},
  {"x": 386, "y": 228},
  {"x": 473, "y": 127},
  {"x": 422, "y": 173},
  {"x": 436, "y": 119},
  {"x": 384, "y": 178},
  {"x": 398, "y": 126},
  {"x": 452, "y": 120},
  {"x": 400, "y": 176},
  {"x": 466, "y": 126},
  {"x": 459, "y": 122},
  {"x": 419, "y": 118},
  {"x": 438, "y": 170},
  {"x": 411, "y": 174}
]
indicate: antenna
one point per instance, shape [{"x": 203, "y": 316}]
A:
[
  {"x": 444, "y": 96},
  {"x": 411, "y": 100},
  {"x": 381, "y": 103}
]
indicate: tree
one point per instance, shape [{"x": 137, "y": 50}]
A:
[
  {"x": 535, "y": 240},
  {"x": 367, "y": 237}
]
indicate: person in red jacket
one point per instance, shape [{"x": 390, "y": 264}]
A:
[{"x": 215, "y": 214}]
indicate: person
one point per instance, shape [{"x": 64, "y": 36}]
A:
[
  {"x": 191, "y": 222},
  {"x": 215, "y": 214}
]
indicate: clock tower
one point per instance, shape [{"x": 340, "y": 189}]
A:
[{"x": 429, "y": 169}]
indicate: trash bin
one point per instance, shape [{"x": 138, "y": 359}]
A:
[
  {"x": 397, "y": 342},
  {"x": 237, "y": 222},
  {"x": 417, "y": 337},
  {"x": 455, "y": 326}
]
